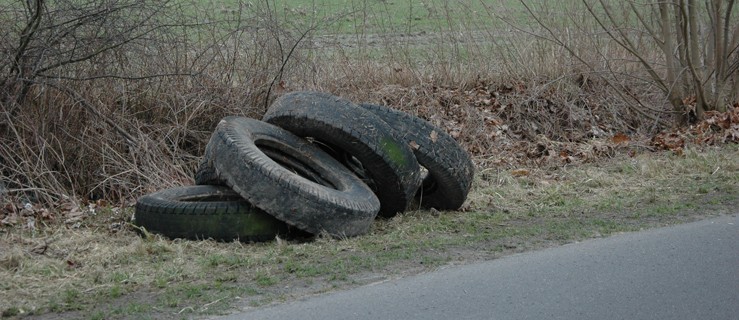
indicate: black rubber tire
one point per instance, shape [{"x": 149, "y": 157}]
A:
[
  {"x": 388, "y": 165},
  {"x": 288, "y": 177},
  {"x": 207, "y": 174},
  {"x": 450, "y": 168},
  {"x": 202, "y": 212}
]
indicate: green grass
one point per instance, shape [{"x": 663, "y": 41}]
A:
[
  {"x": 505, "y": 214},
  {"x": 541, "y": 213},
  {"x": 386, "y": 16},
  {"x": 360, "y": 16}
]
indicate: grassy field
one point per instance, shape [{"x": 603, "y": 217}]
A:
[
  {"x": 361, "y": 16},
  {"x": 100, "y": 269}
]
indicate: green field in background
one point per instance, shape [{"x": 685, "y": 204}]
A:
[{"x": 388, "y": 16}]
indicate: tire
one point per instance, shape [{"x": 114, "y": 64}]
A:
[
  {"x": 359, "y": 139},
  {"x": 288, "y": 177},
  {"x": 450, "y": 169},
  {"x": 201, "y": 212}
]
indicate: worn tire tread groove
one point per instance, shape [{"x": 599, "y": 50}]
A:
[
  {"x": 450, "y": 165},
  {"x": 335, "y": 121},
  {"x": 167, "y": 212},
  {"x": 233, "y": 156}
]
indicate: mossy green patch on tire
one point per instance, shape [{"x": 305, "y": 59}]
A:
[
  {"x": 450, "y": 169},
  {"x": 358, "y": 138},
  {"x": 205, "y": 212},
  {"x": 288, "y": 177}
]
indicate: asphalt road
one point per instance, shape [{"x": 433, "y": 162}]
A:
[{"x": 689, "y": 271}]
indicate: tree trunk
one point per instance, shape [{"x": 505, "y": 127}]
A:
[
  {"x": 694, "y": 54},
  {"x": 675, "y": 93}
]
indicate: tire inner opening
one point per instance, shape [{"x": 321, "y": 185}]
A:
[
  {"x": 348, "y": 160},
  {"x": 428, "y": 184},
  {"x": 295, "y": 165}
]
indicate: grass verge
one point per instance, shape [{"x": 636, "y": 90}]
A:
[{"x": 101, "y": 269}]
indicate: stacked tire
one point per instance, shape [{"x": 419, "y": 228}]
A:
[{"x": 316, "y": 163}]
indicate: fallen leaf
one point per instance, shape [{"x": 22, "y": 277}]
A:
[
  {"x": 46, "y": 214},
  {"x": 434, "y": 136},
  {"x": 732, "y": 134},
  {"x": 719, "y": 119},
  {"x": 413, "y": 145},
  {"x": 734, "y": 113},
  {"x": 678, "y": 151},
  {"x": 565, "y": 156},
  {"x": 620, "y": 138},
  {"x": 492, "y": 121},
  {"x": 668, "y": 141},
  {"x": 520, "y": 172}
]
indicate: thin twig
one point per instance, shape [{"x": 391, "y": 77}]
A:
[
  {"x": 90, "y": 108},
  {"x": 118, "y": 77},
  {"x": 559, "y": 42},
  {"x": 282, "y": 67}
]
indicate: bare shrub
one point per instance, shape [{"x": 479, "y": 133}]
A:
[
  {"x": 114, "y": 98},
  {"x": 686, "y": 51},
  {"x": 488, "y": 84}
]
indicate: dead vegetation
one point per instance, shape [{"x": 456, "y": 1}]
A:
[
  {"x": 78, "y": 145},
  {"x": 102, "y": 126},
  {"x": 94, "y": 265},
  {"x": 131, "y": 112},
  {"x": 105, "y": 126}
]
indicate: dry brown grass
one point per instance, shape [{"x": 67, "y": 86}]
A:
[{"x": 98, "y": 267}]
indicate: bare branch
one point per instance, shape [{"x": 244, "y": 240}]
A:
[
  {"x": 124, "y": 39},
  {"x": 28, "y": 33},
  {"x": 559, "y": 42},
  {"x": 115, "y": 76},
  {"x": 282, "y": 67},
  {"x": 90, "y": 108},
  {"x": 626, "y": 44},
  {"x": 655, "y": 36}
]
